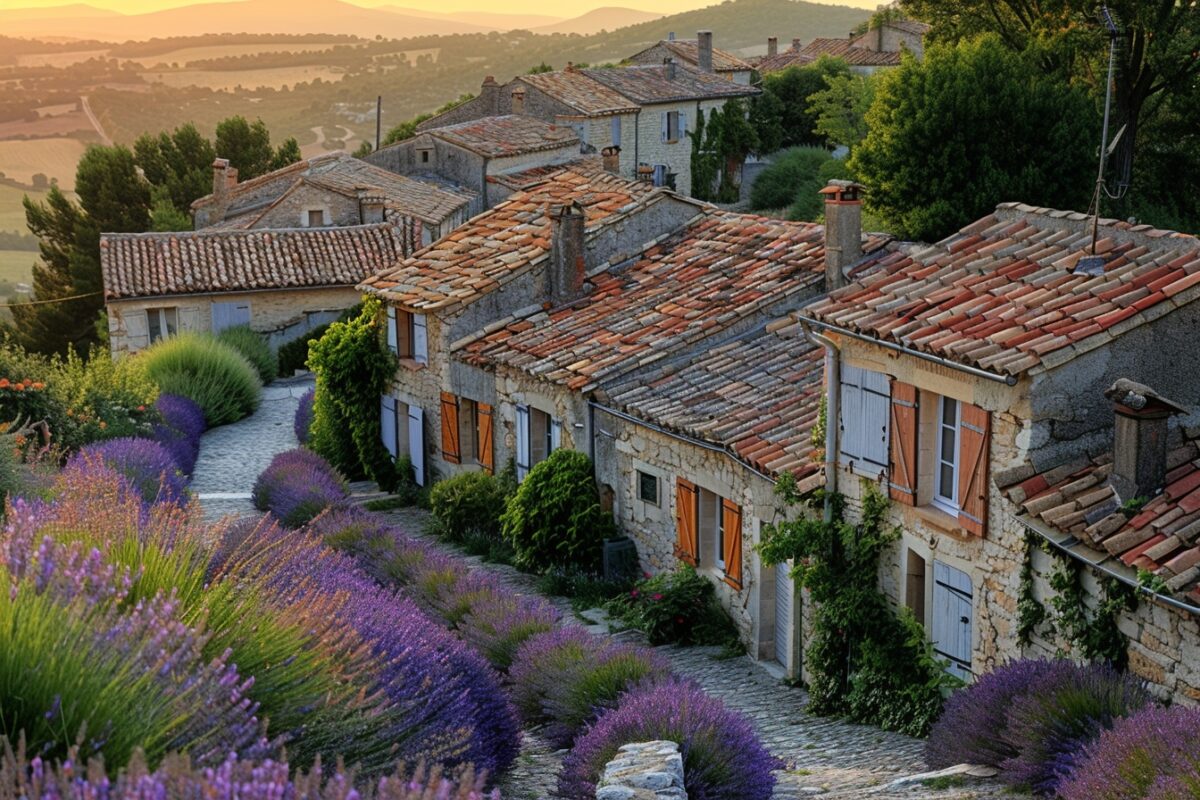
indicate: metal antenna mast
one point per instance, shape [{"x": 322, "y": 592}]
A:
[{"x": 1113, "y": 34}]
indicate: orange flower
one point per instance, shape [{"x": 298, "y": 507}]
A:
[
  {"x": 20, "y": 387},
  {"x": 103, "y": 424},
  {"x": 3, "y": 383},
  {"x": 38, "y": 385}
]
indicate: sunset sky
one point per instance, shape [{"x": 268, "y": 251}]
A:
[{"x": 555, "y": 8}]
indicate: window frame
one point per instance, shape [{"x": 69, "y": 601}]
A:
[
  {"x": 948, "y": 504},
  {"x": 159, "y": 317},
  {"x": 719, "y": 555},
  {"x": 641, "y": 476}
]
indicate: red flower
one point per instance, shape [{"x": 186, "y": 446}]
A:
[
  {"x": 141, "y": 408},
  {"x": 634, "y": 593},
  {"x": 658, "y": 597}
]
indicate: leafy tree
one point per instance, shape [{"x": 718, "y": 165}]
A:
[
  {"x": 735, "y": 139},
  {"x": 115, "y": 197},
  {"x": 365, "y": 149},
  {"x": 539, "y": 69},
  {"x": 407, "y": 130},
  {"x": 179, "y": 162},
  {"x": 246, "y": 145},
  {"x": 766, "y": 117},
  {"x": 792, "y": 87},
  {"x": 704, "y": 163},
  {"x": 973, "y": 125},
  {"x": 286, "y": 153},
  {"x": 164, "y": 216},
  {"x": 841, "y": 109}
]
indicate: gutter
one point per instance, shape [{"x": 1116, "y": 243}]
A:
[
  {"x": 1069, "y": 543},
  {"x": 833, "y": 382},
  {"x": 1011, "y": 380}
]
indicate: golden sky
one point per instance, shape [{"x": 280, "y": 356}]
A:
[{"x": 556, "y": 8}]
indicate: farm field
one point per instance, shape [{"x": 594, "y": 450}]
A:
[
  {"x": 52, "y": 126},
  {"x": 186, "y": 54},
  {"x": 227, "y": 80},
  {"x": 12, "y": 213},
  {"x": 58, "y": 59},
  {"x": 16, "y": 266},
  {"x": 54, "y": 158}
]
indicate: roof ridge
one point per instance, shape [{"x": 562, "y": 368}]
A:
[
  {"x": 1060, "y": 219},
  {"x": 247, "y": 232}
]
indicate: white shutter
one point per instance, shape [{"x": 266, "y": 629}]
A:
[
  {"x": 137, "y": 329},
  {"x": 616, "y": 130},
  {"x": 682, "y": 124},
  {"x": 850, "y": 411},
  {"x": 416, "y": 442},
  {"x": 391, "y": 330},
  {"x": 876, "y": 406},
  {"x": 420, "y": 344},
  {"x": 522, "y": 442},
  {"x": 189, "y": 318},
  {"x": 663, "y": 120},
  {"x": 555, "y": 435},
  {"x": 387, "y": 422},
  {"x": 952, "y": 612}
]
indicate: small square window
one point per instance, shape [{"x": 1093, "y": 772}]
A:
[
  {"x": 424, "y": 156},
  {"x": 647, "y": 487},
  {"x": 316, "y": 218}
]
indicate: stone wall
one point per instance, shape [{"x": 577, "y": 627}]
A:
[
  {"x": 643, "y": 771},
  {"x": 677, "y": 155}
]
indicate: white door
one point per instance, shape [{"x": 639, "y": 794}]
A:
[
  {"x": 229, "y": 315},
  {"x": 952, "y": 615},
  {"x": 784, "y": 595},
  {"x": 416, "y": 442}
]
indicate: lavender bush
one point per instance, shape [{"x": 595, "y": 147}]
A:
[
  {"x": 74, "y": 779},
  {"x": 1058, "y": 715},
  {"x": 296, "y": 486},
  {"x": 723, "y": 758},
  {"x": 304, "y": 415},
  {"x": 146, "y": 464},
  {"x": 500, "y": 623},
  {"x": 1151, "y": 755},
  {"x": 180, "y": 430},
  {"x": 567, "y": 677}
]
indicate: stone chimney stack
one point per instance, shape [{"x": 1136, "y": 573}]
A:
[
  {"x": 669, "y": 63},
  {"x": 671, "y": 36},
  {"x": 1139, "y": 438},
  {"x": 567, "y": 265},
  {"x": 843, "y": 230},
  {"x": 370, "y": 206},
  {"x": 611, "y": 158},
  {"x": 518, "y": 100},
  {"x": 704, "y": 50},
  {"x": 796, "y": 45},
  {"x": 489, "y": 94},
  {"x": 224, "y": 178},
  {"x": 772, "y": 45}
]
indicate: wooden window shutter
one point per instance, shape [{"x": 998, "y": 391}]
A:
[
  {"x": 450, "y": 447},
  {"x": 974, "y": 437},
  {"x": 733, "y": 543},
  {"x": 903, "y": 423},
  {"x": 687, "y": 542},
  {"x": 483, "y": 416}
]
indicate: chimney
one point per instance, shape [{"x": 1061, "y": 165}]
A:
[
  {"x": 518, "y": 100},
  {"x": 796, "y": 45},
  {"x": 566, "y": 252},
  {"x": 489, "y": 94},
  {"x": 843, "y": 230},
  {"x": 221, "y": 182},
  {"x": 611, "y": 158},
  {"x": 772, "y": 45},
  {"x": 370, "y": 206},
  {"x": 669, "y": 63},
  {"x": 671, "y": 36},
  {"x": 704, "y": 50},
  {"x": 1139, "y": 438}
]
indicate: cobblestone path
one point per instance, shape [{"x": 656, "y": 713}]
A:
[{"x": 232, "y": 456}]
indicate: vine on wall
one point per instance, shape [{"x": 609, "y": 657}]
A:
[
  {"x": 1092, "y": 634},
  {"x": 1030, "y": 613}
]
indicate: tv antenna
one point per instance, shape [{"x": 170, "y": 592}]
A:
[{"x": 1106, "y": 148}]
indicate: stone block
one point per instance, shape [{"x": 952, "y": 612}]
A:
[{"x": 644, "y": 771}]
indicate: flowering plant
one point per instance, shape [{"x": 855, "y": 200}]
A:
[{"x": 296, "y": 486}]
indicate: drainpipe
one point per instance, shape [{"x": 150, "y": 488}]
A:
[
  {"x": 833, "y": 380},
  {"x": 637, "y": 138}
]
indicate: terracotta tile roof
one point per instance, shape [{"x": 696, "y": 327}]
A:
[
  {"x": 690, "y": 285},
  {"x": 648, "y": 85},
  {"x": 342, "y": 173},
  {"x": 508, "y": 135},
  {"x": 1163, "y": 536},
  {"x": 1004, "y": 294},
  {"x": 688, "y": 51},
  {"x": 854, "y": 56},
  {"x": 493, "y": 247},
  {"x": 758, "y": 396},
  {"x": 519, "y": 180},
  {"x": 581, "y": 92},
  {"x": 781, "y": 61},
  {"x": 194, "y": 262}
]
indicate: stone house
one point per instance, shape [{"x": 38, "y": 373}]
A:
[
  {"x": 282, "y": 283},
  {"x": 699, "y": 54},
  {"x": 332, "y": 190},
  {"x": 637, "y": 116},
  {"x": 969, "y": 377},
  {"x": 879, "y": 48},
  {"x": 468, "y": 153}
]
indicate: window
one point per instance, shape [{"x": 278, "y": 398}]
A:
[
  {"x": 407, "y": 335},
  {"x": 719, "y": 519},
  {"x": 647, "y": 487},
  {"x": 424, "y": 156},
  {"x": 163, "y": 322},
  {"x": 946, "y": 477},
  {"x": 460, "y": 431},
  {"x": 863, "y": 434},
  {"x": 674, "y": 126},
  {"x": 316, "y": 218},
  {"x": 538, "y": 435}
]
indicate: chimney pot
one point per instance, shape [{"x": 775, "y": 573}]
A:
[
  {"x": 843, "y": 230},
  {"x": 567, "y": 264},
  {"x": 796, "y": 44},
  {"x": 1139, "y": 438},
  {"x": 704, "y": 50},
  {"x": 772, "y": 45},
  {"x": 671, "y": 36},
  {"x": 611, "y": 159}
]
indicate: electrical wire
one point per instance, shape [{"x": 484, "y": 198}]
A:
[{"x": 47, "y": 302}]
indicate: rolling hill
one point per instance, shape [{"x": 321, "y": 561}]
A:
[{"x": 601, "y": 19}]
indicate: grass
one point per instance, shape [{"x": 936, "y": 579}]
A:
[
  {"x": 55, "y": 158},
  {"x": 944, "y": 782},
  {"x": 16, "y": 266},
  {"x": 12, "y": 213}
]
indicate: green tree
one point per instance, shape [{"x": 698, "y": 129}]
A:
[
  {"x": 734, "y": 138},
  {"x": 792, "y": 87},
  {"x": 407, "y": 130},
  {"x": 704, "y": 162},
  {"x": 179, "y": 162},
  {"x": 164, "y": 216},
  {"x": 246, "y": 145},
  {"x": 286, "y": 153},
  {"x": 539, "y": 69},
  {"x": 973, "y": 125},
  {"x": 365, "y": 149},
  {"x": 841, "y": 108},
  {"x": 766, "y": 117}
]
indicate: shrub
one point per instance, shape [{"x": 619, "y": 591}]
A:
[
  {"x": 1063, "y": 710},
  {"x": 972, "y": 725},
  {"x": 293, "y": 355},
  {"x": 791, "y": 172},
  {"x": 499, "y": 622},
  {"x": 677, "y": 607},
  {"x": 302, "y": 422},
  {"x": 554, "y": 519},
  {"x": 468, "y": 503},
  {"x": 723, "y": 758},
  {"x": 568, "y": 677},
  {"x": 296, "y": 486},
  {"x": 212, "y": 374},
  {"x": 254, "y": 347},
  {"x": 585, "y": 589},
  {"x": 1150, "y": 755},
  {"x": 180, "y": 430},
  {"x": 146, "y": 464}
]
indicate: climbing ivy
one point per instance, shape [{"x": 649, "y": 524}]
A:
[
  {"x": 1095, "y": 636},
  {"x": 1030, "y": 613},
  {"x": 866, "y": 663}
]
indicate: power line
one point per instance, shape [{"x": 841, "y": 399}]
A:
[{"x": 46, "y": 302}]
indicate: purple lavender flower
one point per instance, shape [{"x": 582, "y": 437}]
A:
[
  {"x": 304, "y": 415},
  {"x": 182, "y": 414},
  {"x": 146, "y": 464},
  {"x": 499, "y": 623},
  {"x": 723, "y": 758},
  {"x": 296, "y": 486}
]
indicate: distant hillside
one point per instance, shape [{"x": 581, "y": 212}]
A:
[
  {"x": 602, "y": 19},
  {"x": 494, "y": 20}
]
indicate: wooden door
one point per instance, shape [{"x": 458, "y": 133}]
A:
[{"x": 952, "y": 614}]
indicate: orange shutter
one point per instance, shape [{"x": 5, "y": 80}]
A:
[
  {"x": 903, "y": 457},
  {"x": 483, "y": 422},
  {"x": 974, "y": 436},
  {"x": 686, "y": 500},
  {"x": 450, "y": 449},
  {"x": 733, "y": 543}
]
